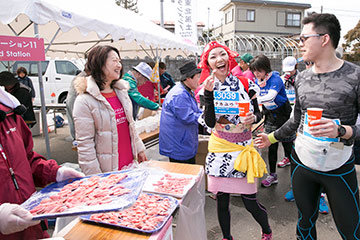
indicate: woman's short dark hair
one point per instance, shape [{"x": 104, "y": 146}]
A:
[
  {"x": 259, "y": 63},
  {"x": 21, "y": 70},
  {"x": 96, "y": 61},
  {"x": 325, "y": 23}
]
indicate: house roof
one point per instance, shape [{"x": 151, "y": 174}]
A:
[{"x": 270, "y": 3}]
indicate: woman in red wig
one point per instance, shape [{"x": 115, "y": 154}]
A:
[{"x": 230, "y": 144}]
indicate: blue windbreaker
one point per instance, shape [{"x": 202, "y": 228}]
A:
[{"x": 178, "y": 138}]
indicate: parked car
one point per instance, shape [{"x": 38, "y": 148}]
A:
[{"x": 57, "y": 76}]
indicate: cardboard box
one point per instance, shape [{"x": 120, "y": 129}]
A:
[
  {"x": 202, "y": 152},
  {"x": 144, "y": 113}
]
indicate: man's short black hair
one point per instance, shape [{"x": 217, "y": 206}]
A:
[
  {"x": 162, "y": 65},
  {"x": 325, "y": 23},
  {"x": 259, "y": 63}
]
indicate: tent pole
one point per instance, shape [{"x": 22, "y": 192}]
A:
[
  {"x": 162, "y": 13},
  {"x": 152, "y": 51},
  {"x": 145, "y": 51},
  {"x": 158, "y": 59},
  {"x": 96, "y": 43},
  {"x": 13, "y": 30},
  {"x": 42, "y": 98},
  {"x": 52, "y": 40}
]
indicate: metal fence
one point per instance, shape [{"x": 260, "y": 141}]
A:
[{"x": 271, "y": 46}]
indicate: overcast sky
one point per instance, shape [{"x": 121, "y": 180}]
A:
[{"x": 347, "y": 11}]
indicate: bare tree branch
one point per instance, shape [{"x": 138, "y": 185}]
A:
[
  {"x": 352, "y": 44},
  {"x": 128, "y": 4}
]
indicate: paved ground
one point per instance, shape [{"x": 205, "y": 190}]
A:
[{"x": 282, "y": 215}]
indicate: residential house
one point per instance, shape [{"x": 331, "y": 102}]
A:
[{"x": 266, "y": 21}]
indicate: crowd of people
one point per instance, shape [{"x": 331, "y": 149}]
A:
[{"x": 103, "y": 105}]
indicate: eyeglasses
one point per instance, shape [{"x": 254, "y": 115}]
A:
[
  {"x": 303, "y": 38},
  {"x": 308, "y": 63}
]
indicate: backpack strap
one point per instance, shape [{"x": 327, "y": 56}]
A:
[{"x": 244, "y": 82}]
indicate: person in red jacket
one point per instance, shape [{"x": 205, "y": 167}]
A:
[{"x": 21, "y": 170}]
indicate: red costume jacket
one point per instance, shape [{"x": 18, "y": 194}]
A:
[{"x": 31, "y": 169}]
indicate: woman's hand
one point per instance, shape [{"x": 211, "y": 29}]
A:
[
  {"x": 142, "y": 157},
  {"x": 262, "y": 141},
  {"x": 324, "y": 128},
  {"x": 209, "y": 82},
  {"x": 249, "y": 119}
]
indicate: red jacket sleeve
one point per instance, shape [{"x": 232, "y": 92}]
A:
[{"x": 43, "y": 171}]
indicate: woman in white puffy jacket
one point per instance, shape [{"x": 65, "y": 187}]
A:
[{"x": 104, "y": 127}]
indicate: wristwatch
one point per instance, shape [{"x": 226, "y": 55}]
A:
[{"x": 341, "y": 131}]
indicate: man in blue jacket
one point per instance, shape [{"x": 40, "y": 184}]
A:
[{"x": 178, "y": 137}]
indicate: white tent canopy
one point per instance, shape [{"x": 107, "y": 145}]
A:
[{"x": 74, "y": 26}]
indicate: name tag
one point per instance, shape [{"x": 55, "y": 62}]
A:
[{"x": 337, "y": 145}]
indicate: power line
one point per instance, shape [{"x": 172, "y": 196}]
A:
[{"x": 342, "y": 10}]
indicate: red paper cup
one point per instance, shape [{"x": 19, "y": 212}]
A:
[
  {"x": 314, "y": 114},
  {"x": 162, "y": 100},
  {"x": 243, "y": 108}
]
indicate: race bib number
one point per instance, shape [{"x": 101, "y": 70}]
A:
[
  {"x": 290, "y": 93},
  {"x": 226, "y": 102}
]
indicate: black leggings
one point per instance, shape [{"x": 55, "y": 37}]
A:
[
  {"x": 273, "y": 154},
  {"x": 257, "y": 210},
  {"x": 341, "y": 187}
]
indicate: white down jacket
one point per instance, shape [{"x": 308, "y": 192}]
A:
[{"x": 95, "y": 126}]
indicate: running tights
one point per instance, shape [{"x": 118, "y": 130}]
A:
[
  {"x": 342, "y": 191},
  {"x": 273, "y": 154},
  {"x": 257, "y": 210}
]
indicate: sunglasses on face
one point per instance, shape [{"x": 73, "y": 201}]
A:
[
  {"x": 303, "y": 38},
  {"x": 308, "y": 63}
]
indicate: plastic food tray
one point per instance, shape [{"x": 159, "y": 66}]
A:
[
  {"x": 173, "y": 205},
  {"x": 134, "y": 181}
]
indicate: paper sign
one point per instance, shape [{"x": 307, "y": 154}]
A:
[{"x": 21, "y": 49}]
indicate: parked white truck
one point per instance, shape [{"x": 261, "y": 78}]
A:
[{"x": 57, "y": 77}]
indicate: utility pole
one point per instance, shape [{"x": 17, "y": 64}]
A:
[
  {"x": 162, "y": 13},
  {"x": 321, "y": 9},
  {"x": 208, "y": 19}
]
